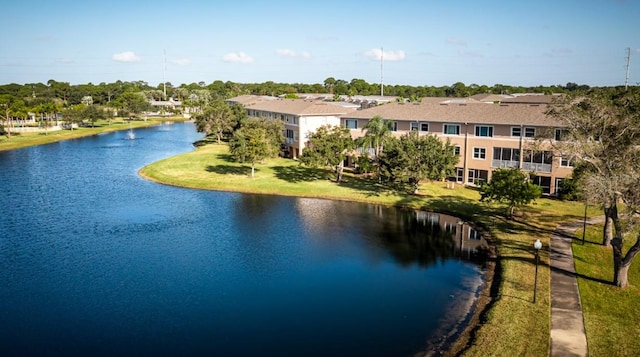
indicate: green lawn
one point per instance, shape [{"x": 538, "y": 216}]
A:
[
  {"x": 611, "y": 314},
  {"x": 513, "y": 326}
]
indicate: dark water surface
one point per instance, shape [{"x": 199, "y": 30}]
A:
[{"x": 95, "y": 261}]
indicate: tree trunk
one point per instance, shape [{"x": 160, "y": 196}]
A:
[
  {"x": 620, "y": 278},
  {"x": 607, "y": 231},
  {"x": 253, "y": 169},
  {"x": 8, "y": 128},
  {"x": 510, "y": 211},
  {"x": 339, "y": 170}
]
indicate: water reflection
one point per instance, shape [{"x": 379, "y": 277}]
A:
[{"x": 96, "y": 261}]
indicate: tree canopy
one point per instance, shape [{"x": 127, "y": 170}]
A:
[
  {"x": 603, "y": 135},
  {"x": 329, "y": 146},
  {"x": 510, "y": 186},
  {"x": 255, "y": 141},
  {"x": 413, "y": 158}
]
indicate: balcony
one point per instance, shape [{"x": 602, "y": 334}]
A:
[
  {"x": 504, "y": 164},
  {"x": 532, "y": 166}
]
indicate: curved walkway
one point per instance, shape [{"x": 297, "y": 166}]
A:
[{"x": 568, "y": 336}]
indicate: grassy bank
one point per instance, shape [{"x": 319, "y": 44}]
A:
[
  {"x": 611, "y": 314},
  {"x": 513, "y": 325},
  {"x": 20, "y": 140}
]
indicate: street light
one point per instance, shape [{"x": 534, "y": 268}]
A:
[{"x": 537, "y": 246}]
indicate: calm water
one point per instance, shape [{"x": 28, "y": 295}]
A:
[{"x": 97, "y": 261}]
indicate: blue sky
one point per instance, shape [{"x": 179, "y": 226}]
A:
[{"x": 425, "y": 42}]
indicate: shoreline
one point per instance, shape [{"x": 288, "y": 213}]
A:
[{"x": 462, "y": 333}]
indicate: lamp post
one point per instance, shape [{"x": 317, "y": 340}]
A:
[
  {"x": 537, "y": 246},
  {"x": 584, "y": 222}
]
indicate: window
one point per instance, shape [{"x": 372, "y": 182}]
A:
[
  {"x": 424, "y": 126},
  {"x": 560, "y": 133},
  {"x": 566, "y": 162},
  {"x": 459, "y": 174},
  {"x": 516, "y": 131},
  {"x": 483, "y": 130},
  {"x": 544, "y": 182},
  {"x": 479, "y": 153},
  {"x": 414, "y": 126},
  {"x": 394, "y": 126},
  {"x": 456, "y": 150},
  {"x": 295, "y": 120},
  {"x": 289, "y": 134},
  {"x": 538, "y": 157},
  {"x": 529, "y": 132},
  {"x": 506, "y": 154},
  {"x": 451, "y": 129},
  {"x": 475, "y": 176},
  {"x": 474, "y": 235},
  {"x": 351, "y": 123}
]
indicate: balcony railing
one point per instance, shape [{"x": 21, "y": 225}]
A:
[
  {"x": 531, "y": 166},
  {"x": 504, "y": 164}
]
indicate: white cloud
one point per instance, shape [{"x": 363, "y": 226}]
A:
[
  {"x": 239, "y": 57},
  {"x": 378, "y": 54},
  {"x": 181, "y": 61},
  {"x": 294, "y": 54},
  {"x": 476, "y": 54},
  {"x": 456, "y": 42},
  {"x": 127, "y": 56}
]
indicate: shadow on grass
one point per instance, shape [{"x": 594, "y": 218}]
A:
[
  {"x": 230, "y": 170},
  {"x": 294, "y": 174},
  {"x": 368, "y": 185}
]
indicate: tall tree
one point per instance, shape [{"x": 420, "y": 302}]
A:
[
  {"x": 216, "y": 118},
  {"x": 329, "y": 146},
  {"x": 603, "y": 134},
  {"x": 414, "y": 158},
  {"x": 254, "y": 142},
  {"x": 378, "y": 132},
  {"x": 510, "y": 186}
]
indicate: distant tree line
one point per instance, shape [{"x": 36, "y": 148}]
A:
[{"x": 104, "y": 93}]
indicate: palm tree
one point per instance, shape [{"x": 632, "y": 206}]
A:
[{"x": 378, "y": 132}]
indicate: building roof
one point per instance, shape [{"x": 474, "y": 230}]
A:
[
  {"x": 490, "y": 97},
  {"x": 530, "y": 99},
  {"x": 248, "y": 99},
  {"x": 300, "y": 107},
  {"x": 480, "y": 113}
]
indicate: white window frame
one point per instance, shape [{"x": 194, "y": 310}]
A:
[
  {"x": 424, "y": 126},
  {"x": 529, "y": 128},
  {"x": 519, "y": 129},
  {"x": 481, "y": 152},
  {"x": 478, "y": 130},
  {"x": 346, "y": 123},
  {"x": 565, "y": 162},
  {"x": 414, "y": 125},
  {"x": 445, "y": 126},
  {"x": 457, "y": 150}
]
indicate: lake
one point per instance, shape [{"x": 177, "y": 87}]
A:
[{"x": 95, "y": 260}]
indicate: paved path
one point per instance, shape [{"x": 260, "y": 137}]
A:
[{"x": 568, "y": 336}]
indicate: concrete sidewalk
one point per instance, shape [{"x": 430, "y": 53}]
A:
[{"x": 568, "y": 336}]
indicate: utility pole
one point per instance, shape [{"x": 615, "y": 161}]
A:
[
  {"x": 381, "y": 72},
  {"x": 626, "y": 82},
  {"x": 164, "y": 69}
]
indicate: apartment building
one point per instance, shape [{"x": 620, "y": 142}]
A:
[
  {"x": 300, "y": 118},
  {"x": 485, "y": 136}
]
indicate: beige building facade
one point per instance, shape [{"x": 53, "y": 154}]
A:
[{"x": 485, "y": 136}]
